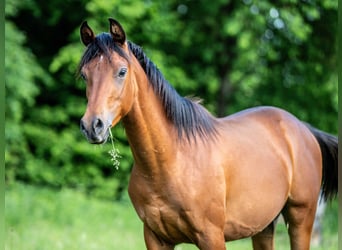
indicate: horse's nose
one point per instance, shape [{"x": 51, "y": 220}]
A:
[{"x": 96, "y": 128}]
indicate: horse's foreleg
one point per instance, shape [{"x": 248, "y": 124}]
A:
[
  {"x": 265, "y": 239},
  {"x": 153, "y": 242}
]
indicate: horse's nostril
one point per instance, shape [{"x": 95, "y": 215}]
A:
[{"x": 98, "y": 125}]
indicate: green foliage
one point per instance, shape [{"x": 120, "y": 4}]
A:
[
  {"x": 22, "y": 71},
  {"x": 23, "y": 75},
  {"x": 232, "y": 54}
]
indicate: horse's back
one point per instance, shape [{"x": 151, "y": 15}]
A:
[
  {"x": 278, "y": 124},
  {"x": 280, "y": 128}
]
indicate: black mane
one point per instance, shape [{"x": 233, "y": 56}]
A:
[{"x": 188, "y": 116}]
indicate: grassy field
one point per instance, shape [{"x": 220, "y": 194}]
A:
[{"x": 44, "y": 219}]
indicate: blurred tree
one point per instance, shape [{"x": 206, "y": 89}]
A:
[
  {"x": 248, "y": 53},
  {"x": 23, "y": 75},
  {"x": 233, "y": 54}
]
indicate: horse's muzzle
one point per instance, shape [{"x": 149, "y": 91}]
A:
[{"x": 96, "y": 131}]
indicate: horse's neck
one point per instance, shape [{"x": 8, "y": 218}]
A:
[{"x": 151, "y": 135}]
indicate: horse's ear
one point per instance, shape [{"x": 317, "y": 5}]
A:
[
  {"x": 117, "y": 32},
  {"x": 87, "y": 35}
]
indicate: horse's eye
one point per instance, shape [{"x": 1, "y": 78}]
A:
[
  {"x": 83, "y": 76},
  {"x": 122, "y": 72}
]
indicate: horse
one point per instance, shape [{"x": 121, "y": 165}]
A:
[{"x": 196, "y": 178}]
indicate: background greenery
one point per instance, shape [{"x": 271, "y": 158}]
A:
[{"x": 232, "y": 54}]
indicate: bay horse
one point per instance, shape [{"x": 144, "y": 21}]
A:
[{"x": 196, "y": 178}]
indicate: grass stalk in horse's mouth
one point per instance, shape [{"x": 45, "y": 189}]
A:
[{"x": 114, "y": 152}]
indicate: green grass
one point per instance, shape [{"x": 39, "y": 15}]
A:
[{"x": 44, "y": 219}]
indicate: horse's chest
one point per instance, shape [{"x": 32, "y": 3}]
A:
[
  {"x": 165, "y": 221},
  {"x": 161, "y": 212}
]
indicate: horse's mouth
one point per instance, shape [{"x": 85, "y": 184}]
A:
[{"x": 97, "y": 138}]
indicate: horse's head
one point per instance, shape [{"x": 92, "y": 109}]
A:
[{"x": 105, "y": 67}]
